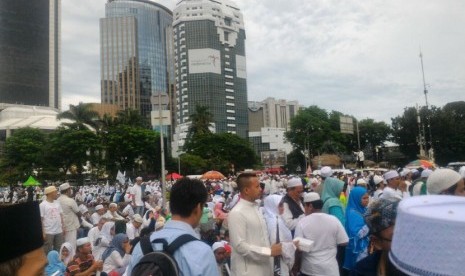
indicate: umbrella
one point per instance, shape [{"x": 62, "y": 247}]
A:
[
  {"x": 420, "y": 163},
  {"x": 173, "y": 176},
  {"x": 31, "y": 182},
  {"x": 212, "y": 175}
]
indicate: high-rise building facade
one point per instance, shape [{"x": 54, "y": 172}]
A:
[
  {"x": 209, "y": 47},
  {"x": 271, "y": 113},
  {"x": 136, "y": 46},
  {"x": 30, "y": 52}
]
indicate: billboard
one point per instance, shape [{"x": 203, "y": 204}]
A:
[
  {"x": 204, "y": 61},
  {"x": 347, "y": 124},
  {"x": 273, "y": 159}
]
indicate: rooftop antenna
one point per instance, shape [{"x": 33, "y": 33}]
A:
[{"x": 428, "y": 119}]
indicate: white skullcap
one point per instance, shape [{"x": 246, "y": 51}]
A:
[
  {"x": 217, "y": 245},
  {"x": 390, "y": 175},
  {"x": 462, "y": 171},
  {"x": 326, "y": 171},
  {"x": 82, "y": 241},
  {"x": 426, "y": 173},
  {"x": 433, "y": 222},
  {"x": 404, "y": 172},
  {"x": 64, "y": 186},
  {"x": 442, "y": 179},
  {"x": 312, "y": 196},
  {"x": 377, "y": 179},
  {"x": 138, "y": 218},
  {"x": 113, "y": 205},
  {"x": 139, "y": 178},
  {"x": 98, "y": 207},
  {"x": 294, "y": 182},
  {"x": 361, "y": 181}
]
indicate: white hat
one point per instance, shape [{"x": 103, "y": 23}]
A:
[
  {"x": 326, "y": 171},
  {"x": 138, "y": 218},
  {"x": 377, "y": 179},
  {"x": 217, "y": 245},
  {"x": 426, "y": 235},
  {"x": 49, "y": 189},
  {"x": 404, "y": 172},
  {"x": 294, "y": 182},
  {"x": 390, "y": 175},
  {"x": 442, "y": 179},
  {"x": 82, "y": 241},
  {"x": 98, "y": 207},
  {"x": 113, "y": 205},
  {"x": 139, "y": 178},
  {"x": 312, "y": 196},
  {"x": 361, "y": 181},
  {"x": 426, "y": 173},
  {"x": 64, "y": 186}
]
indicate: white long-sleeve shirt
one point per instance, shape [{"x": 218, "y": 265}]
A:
[
  {"x": 290, "y": 222},
  {"x": 115, "y": 261},
  {"x": 248, "y": 232}
]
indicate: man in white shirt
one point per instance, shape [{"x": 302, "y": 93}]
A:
[
  {"x": 395, "y": 187},
  {"x": 52, "y": 220},
  {"x": 133, "y": 227},
  {"x": 113, "y": 212},
  {"x": 137, "y": 202},
  {"x": 71, "y": 213},
  {"x": 292, "y": 205},
  {"x": 97, "y": 215},
  {"x": 94, "y": 233},
  {"x": 252, "y": 253},
  {"x": 327, "y": 233}
]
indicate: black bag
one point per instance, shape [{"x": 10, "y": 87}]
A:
[{"x": 160, "y": 263}]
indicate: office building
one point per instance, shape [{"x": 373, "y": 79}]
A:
[
  {"x": 209, "y": 51},
  {"x": 137, "y": 57},
  {"x": 30, "y": 53},
  {"x": 271, "y": 113}
]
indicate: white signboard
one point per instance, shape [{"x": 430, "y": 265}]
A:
[
  {"x": 204, "y": 61},
  {"x": 241, "y": 67},
  {"x": 346, "y": 124},
  {"x": 165, "y": 117}
]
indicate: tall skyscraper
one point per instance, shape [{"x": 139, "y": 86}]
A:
[
  {"x": 136, "y": 46},
  {"x": 209, "y": 47},
  {"x": 30, "y": 52}
]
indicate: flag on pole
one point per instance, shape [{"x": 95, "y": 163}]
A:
[{"x": 120, "y": 177}]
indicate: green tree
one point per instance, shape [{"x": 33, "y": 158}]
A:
[
  {"x": 193, "y": 164},
  {"x": 24, "y": 151},
  {"x": 200, "y": 120},
  {"x": 70, "y": 149},
  {"x": 82, "y": 114},
  {"x": 372, "y": 134},
  {"x": 221, "y": 150},
  {"x": 124, "y": 145},
  {"x": 131, "y": 117}
]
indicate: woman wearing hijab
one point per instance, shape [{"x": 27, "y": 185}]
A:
[
  {"x": 67, "y": 252},
  {"x": 55, "y": 266},
  {"x": 116, "y": 257},
  {"x": 104, "y": 239},
  {"x": 356, "y": 228},
  {"x": 330, "y": 196},
  {"x": 274, "y": 221}
]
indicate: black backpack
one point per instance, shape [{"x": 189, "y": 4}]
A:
[{"x": 160, "y": 263}]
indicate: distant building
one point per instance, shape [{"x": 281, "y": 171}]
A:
[
  {"x": 271, "y": 113},
  {"x": 209, "y": 48},
  {"x": 30, "y": 59},
  {"x": 102, "y": 109},
  {"x": 269, "y": 139},
  {"x": 137, "y": 57}
]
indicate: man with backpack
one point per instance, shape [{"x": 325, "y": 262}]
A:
[{"x": 177, "y": 243}]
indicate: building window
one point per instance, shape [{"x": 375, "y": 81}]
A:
[
  {"x": 227, "y": 21},
  {"x": 226, "y": 36}
]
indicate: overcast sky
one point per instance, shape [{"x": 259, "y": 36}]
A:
[{"x": 354, "y": 56}]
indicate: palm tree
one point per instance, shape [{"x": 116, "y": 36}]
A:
[
  {"x": 82, "y": 114},
  {"x": 132, "y": 117},
  {"x": 201, "y": 120}
]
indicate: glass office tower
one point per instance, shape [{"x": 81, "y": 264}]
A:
[
  {"x": 30, "y": 52},
  {"x": 135, "y": 43}
]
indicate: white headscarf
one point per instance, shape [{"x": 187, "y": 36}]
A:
[
  {"x": 71, "y": 250},
  {"x": 271, "y": 212},
  {"x": 105, "y": 233}
]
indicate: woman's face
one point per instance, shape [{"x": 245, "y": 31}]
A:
[
  {"x": 64, "y": 253},
  {"x": 365, "y": 199}
]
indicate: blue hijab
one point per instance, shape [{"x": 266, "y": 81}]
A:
[
  {"x": 355, "y": 202},
  {"x": 116, "y": 244},
  {"x": 54, "y": 264}
]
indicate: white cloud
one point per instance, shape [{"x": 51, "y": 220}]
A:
[{"x": 357, "y": 57}]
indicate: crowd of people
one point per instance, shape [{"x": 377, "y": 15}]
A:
[{"x": 322, "y": 224}]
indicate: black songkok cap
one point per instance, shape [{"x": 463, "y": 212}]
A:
[{"x": 21, "y": 230}]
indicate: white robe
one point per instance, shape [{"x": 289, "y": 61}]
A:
[{"x": 251, "y": 254}]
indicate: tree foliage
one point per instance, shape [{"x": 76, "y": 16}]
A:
[{"x": 82, "y": 114}]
